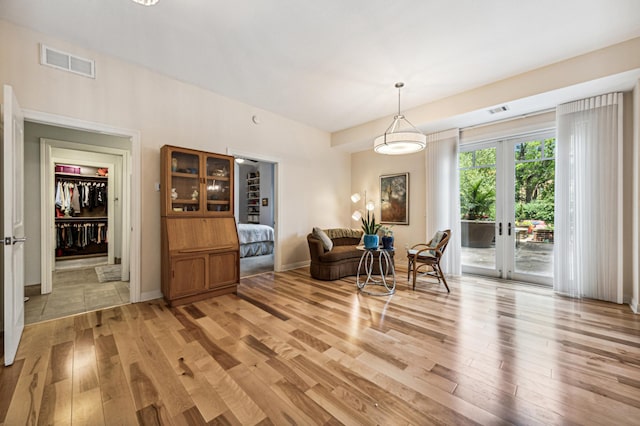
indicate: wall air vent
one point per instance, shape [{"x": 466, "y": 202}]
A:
[
  {"x": 67, "y": 62},
  {"x": 499, "y": 109}
]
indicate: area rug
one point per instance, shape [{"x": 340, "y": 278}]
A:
[{"x": 109, "y": 273}]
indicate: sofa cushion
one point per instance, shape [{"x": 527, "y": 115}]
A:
[
  {"x": 341, "y": 253},
  {"x": 334, "y": 233},
  {"x": 322, "y": 236}
]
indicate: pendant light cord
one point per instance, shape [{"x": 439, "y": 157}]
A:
[{"x": 399, "y": 86}]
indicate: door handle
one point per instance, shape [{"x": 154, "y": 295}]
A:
[
  {"x": 509, "y": 229},
  {"x": 18, "y": 240},
  {"x": 500, "y": 229}
]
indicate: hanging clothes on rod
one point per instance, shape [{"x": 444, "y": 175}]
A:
[
  {"x": 80, "y": 235},
  {"x": 73, "y": 196}
]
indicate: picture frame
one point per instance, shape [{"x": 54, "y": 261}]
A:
[{"x": 394, "y": 199}]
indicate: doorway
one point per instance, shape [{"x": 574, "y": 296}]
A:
[
  {"x": 74, "y": 276},
  {"x": 256, "y": 203},
  {"x": 507, "y": 207}
]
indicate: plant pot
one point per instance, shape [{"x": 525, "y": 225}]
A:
[
  {"x": 478, "y": 234},
  {"x": 387, "y": 243},
  {"x": 370, "y": 241}
]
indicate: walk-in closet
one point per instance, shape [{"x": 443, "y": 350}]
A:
[
  {"x": 81, "y": 212},
  {"x": 78, "y": 195}
]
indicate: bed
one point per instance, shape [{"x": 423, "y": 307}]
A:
[{"x": 255, "y": 240}]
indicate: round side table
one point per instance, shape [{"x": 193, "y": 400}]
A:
[{"x": 387, "y": 283}]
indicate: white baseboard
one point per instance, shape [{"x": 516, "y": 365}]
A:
[
  {"x": 296, "y": 265},
  {"x": 634, "y": 306},
  {"x": 150, "y": 295}
]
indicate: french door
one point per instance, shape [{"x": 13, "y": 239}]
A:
[{"x": 507, "y": 207}]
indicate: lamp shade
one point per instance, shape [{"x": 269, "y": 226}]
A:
[
  {"x": 400, "y": 143},
  {"x": 355, "y": 197},
  {"x": 357, "y": 215},
  {"x": 146, "y": 2}
]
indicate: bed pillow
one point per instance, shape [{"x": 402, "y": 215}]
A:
[{"x": 322, "y": 236}]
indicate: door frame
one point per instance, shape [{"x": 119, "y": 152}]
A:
[
  {"x": 505, "y": 207},
  {"x": 50, "y": 153},
  {"x": 132, "y": 168},
  {"x": 277, "y": 175}
]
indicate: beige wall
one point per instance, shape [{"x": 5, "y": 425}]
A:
[
  {"x": 314, "y": 179},
  {"x": 366, "y": 169}
]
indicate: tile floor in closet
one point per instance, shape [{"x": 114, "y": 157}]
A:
[{"x": 74, "y": 291}]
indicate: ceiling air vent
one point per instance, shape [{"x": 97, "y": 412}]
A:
[
  {"x": 499, "y": 109},
  {"x": 67, "y": 62}
]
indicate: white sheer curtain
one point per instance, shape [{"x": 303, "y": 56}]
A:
[
  {"x": 443, "y": 194},
  {"x": 588, "y": 205}
]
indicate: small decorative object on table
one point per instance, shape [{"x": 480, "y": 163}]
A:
[
  {"x": 370, "y": 228},
  {"x": 387, "y": 237}
]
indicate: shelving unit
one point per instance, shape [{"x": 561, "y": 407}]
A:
[
  {"x": 253, "y": 197},
  {"x": 81, "y": 226}
]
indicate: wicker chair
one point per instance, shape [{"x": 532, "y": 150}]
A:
[{"x": 423, "y": 255}]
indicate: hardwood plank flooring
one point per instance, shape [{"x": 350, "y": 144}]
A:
[{"x": 288, "y": 349}]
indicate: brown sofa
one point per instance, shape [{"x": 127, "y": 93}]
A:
[{"x": 342, "y": 260}]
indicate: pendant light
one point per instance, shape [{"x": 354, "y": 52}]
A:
[
  {"x": 146, "y": 2},
  {"x": 401, "y": 137}
]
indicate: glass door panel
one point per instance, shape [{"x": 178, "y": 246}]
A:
[
  {"x": 478, "y": 175},
  {"x": 218, "y": 185},
  {"x": 533, "y": 171},
  {"x": 185, "y": 182}
]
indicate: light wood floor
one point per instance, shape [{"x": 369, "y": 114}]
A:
[{"x": 292, "y": 350}]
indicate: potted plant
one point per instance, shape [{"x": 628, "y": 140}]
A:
[
  {"x": 476, "y": 200},
  {"x": 370, "y": 228},
  {"x": 387, "y": 237}
]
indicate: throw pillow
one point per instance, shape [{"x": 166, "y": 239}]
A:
[
  {"x": 435, "y": 241},
  {"x": 322, "y": 236}
]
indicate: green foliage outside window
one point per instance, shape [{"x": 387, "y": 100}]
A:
[{"x": 534, "y": 182}]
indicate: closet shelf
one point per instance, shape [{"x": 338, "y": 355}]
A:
[
  {"x": 82, "y": 219},
  {"x": 73, "y": 176}
]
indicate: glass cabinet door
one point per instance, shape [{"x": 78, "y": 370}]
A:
[
  {"x": 185, "y": 182},
  {"x": 218, "y": 184}
]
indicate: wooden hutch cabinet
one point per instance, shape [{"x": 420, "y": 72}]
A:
[{"x": 200, "y": 248}]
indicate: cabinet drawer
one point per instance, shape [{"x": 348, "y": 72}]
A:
[{"x": 223, "y": 269}]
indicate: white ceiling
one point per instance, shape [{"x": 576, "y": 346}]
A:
[{"x": 333, "y": 63}]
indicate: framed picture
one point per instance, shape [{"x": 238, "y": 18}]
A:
[{"x": 394, "y": 199}]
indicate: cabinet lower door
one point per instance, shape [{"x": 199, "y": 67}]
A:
[
  {"x": 223, "y": 269},
  {"x": 188, "y": 275}
]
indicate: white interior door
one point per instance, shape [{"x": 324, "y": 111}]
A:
[{"x": 13, "y": 223}]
